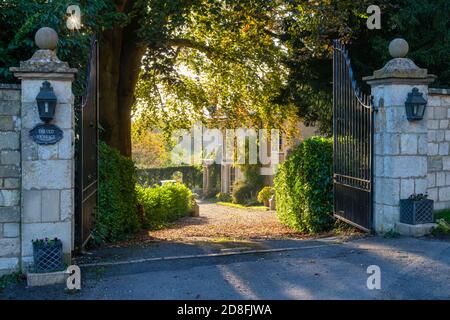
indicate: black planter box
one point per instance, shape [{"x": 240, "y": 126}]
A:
[
  {"x": 416, "y": 211},
  {"x": 48, "y": 257}
]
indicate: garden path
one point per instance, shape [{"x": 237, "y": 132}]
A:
[{"x": 218, "y": 222}]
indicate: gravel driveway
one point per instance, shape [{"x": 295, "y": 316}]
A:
[{"x": 219, "y": 221}]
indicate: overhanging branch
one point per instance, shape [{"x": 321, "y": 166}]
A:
[{"x": 188, "y": 43}]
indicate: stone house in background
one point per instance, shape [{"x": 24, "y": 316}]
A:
[{"x": 230, "y": 171}]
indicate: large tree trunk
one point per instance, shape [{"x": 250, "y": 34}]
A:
[
  {"x": 120, "y": 60},
  {"x": 109, "y": 64},
  {"x": 129, "y": 71}
]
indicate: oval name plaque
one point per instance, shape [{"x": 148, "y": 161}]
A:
[{"x": 46, "y": 134}]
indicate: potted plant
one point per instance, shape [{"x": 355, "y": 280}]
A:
[
  {"x": 265, "y": 194},
  {"x": 48, "y": 255},
  {"x": 417, "y": 209}
]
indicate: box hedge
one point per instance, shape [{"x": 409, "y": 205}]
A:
[
  {"x": 304, "y": 186},
  {"x": 164, "y": 204}
]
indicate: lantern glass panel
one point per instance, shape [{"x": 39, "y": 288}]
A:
[
  {"x": 415, "y": 105},
  {"x": 46, "y": 101}
]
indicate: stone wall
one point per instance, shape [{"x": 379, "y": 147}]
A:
[
  {"x": 10, "y": 169},
  {"x": 438, "y": 116}
]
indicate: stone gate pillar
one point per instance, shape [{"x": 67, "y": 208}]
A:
[
  {"x": 400, "y": 146},
  {"x": 47, "y": 166}
]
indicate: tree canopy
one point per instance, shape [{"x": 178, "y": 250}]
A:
[{"x": 235, "y": 63}]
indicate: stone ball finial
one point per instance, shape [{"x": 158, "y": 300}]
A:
[
  {"x": 46, "y": 39},
  {"x": 398, "y": 48}
]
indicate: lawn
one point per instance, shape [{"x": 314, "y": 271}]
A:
[{"x": 240, "y": 206}]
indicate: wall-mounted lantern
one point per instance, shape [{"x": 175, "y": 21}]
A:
[
  {"x": 46, "y": 101},
  {"x": 415, "y": 105}
]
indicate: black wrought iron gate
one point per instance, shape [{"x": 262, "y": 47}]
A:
[
  {"x": 353, "y": 145},
  {"x": 87, "y": 154}
]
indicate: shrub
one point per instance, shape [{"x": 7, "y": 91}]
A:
[
  {"x": 164, "y": 204},
  {"x": 304, "y": 186},
  {"x": 223, "y": 197},
  {"x": 265, "y": 194},
  {"x": 442, "y": 228},
  {"x": 245, "y": 191},
  {"x": 242, "y": 192},
  {"x": 116, "y": 215}
]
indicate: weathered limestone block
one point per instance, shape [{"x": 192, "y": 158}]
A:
[
  {"x": 9, "y": 198},
  {"x": 6, "y": 123},
  {"x": 11, "y": 108},
  {"x": 409, "y": 143},
  {"x": 444, "y": 194},
  {"x": 67, "y": 204},
  {"x": 9, "y": 214},
  {"x": 434, "y": 163},
  {"x": 9, "y": 140},
  {"x": 29, "y": 147},
  {"x": 65, "y": 147},
  {"x": 9, "y": 247},
  {"x": 446, "y": 163},
  {"x": 388, "y": 189},
  {"x": 8, "y": 264},
  {"x": 405, "y": 166},
  {"x": 64, "y": 116},
  {"x": 433, "y": 149},
  {"x": 440, "y": 179},
  {"x": 433, "y": 194},
  {"x": 9, "y": 171},
  {"x": 10, "y": 157},
  {"x": 406, "y": 188},
  {"x": 50, "y": 206},
  {"x": 10, "y": 94},
  {"x": 49, "y": 174},
  {"x": 49, "y": 152},
  {"x": 11, "y": 230},
  {"x": 32, "y": 204},
  {"x": 421, "y": 185}
]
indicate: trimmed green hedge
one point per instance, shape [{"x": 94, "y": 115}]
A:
[
  {"x": 116, "y": 216},
  {"x": 304, "y": 186},
  {"x": 164, "y": 204},
  {"x": 192, "y": 175}
]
